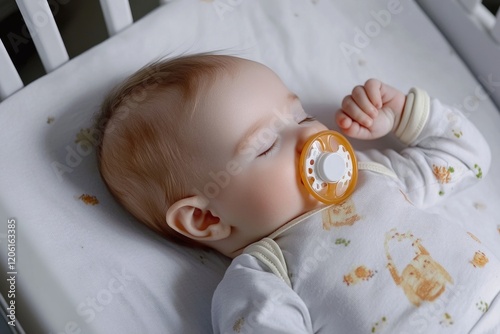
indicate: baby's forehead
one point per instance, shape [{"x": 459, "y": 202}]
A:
[
  {"x": 247, "y": 84},
  {"x": 238, "y": 107},
  {"x": 229, "y": 102}
]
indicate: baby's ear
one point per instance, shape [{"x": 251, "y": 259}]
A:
[{"x": 190, "y": 217}]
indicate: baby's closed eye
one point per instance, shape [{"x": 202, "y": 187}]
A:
[
  {"x": 308, "y": 118},
  {"x": 271, "y": 149}
]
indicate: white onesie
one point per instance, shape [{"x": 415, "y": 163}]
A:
[{"x": 377, "y": 263}]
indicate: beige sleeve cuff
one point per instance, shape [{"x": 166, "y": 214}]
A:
[{"x": 415, "y": 115}]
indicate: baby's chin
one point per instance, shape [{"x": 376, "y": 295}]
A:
[
  {"x": 310, "y": 204},
  {"x": 307, "y": 210},
  {"x": 315, "y": 205}
]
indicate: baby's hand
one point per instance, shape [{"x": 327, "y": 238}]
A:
[{"x": 371, "y": 111}]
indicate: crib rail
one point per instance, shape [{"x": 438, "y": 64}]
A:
[
  {"x": 475, "y": 34},
  {"x": 9, "y": 79},
  {"x": 43, "y": 30},
  {"x": 47, "y": 38},
  {"x": 486, "y": 19},
  {"x": 117, "y": 15}
]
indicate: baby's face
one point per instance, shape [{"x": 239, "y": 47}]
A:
[{"x": 249, "y": 134}]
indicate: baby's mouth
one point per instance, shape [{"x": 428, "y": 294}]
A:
[{"x": 328, "y": 167}]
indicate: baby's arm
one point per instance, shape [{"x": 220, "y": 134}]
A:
[
  {"x": 445, "y": 152},
  {"x": 250, "y": 299}
]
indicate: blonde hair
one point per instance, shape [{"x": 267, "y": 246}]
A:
[{"x": 141, "y": 124}]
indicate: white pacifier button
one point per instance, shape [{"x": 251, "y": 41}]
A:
[{"x": 330, "y": 167}]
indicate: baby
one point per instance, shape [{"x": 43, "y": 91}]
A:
[{"x": 205, "y": 149}]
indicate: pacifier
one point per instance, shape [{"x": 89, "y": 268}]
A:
[{"x": 328, "y": 167}]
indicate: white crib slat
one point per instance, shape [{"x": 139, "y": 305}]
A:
[
  {"x": 43, "y": 30},
  {"x": 495, "y": 32},
  {"x": 117, "y": 15},
  {"x": 9, "y": 80}
]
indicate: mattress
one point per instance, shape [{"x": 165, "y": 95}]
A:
[{"x": 83, "y": 263}]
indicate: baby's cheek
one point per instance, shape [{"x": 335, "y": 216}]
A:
[
  {"x": 265, "y": 197},
  {"x": 280, "y": 196}
]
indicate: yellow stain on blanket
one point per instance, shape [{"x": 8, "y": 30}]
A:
[
  {"x": 474, "y": 237},
  {"x": 83, "y": 135},
  {"x": 423, "y": 279},
  {"x": 359, "y": 274},
  {"x": 89, "y": 199},
  {"x": 479, "y": 260},
  {"x": 442, "y": 174},
  {"x": 340, "y": 215},
  {"x": 238, "y": 325}
]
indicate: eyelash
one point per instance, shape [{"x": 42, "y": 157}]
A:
[
  {"x": 308, "y": 118},
  {"x": 270, "y": 149},
  {"x": 275, "y": 144}
]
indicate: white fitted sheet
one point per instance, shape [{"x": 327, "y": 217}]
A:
[{"x": 92, "y": 266}]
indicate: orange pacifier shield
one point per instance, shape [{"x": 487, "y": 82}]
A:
[{"x": 328, "y": 167}]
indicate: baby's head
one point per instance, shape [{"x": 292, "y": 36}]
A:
[{"x": 204, "y": 149}]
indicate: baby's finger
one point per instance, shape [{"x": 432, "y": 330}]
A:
[
  {"x": 373, "y": 90},
  {"x": 360, "y": 96},
  {"x": 343, "y": 120},
  {"x": 357, "y": 131},
  {"x": 351, "y": 109}
]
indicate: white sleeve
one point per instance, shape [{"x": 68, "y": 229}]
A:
[
  {"x": 445, "y": 151},
  {"x": 249, "y": 299}
]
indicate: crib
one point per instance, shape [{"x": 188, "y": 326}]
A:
[{"x": 77, "y": 263}]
